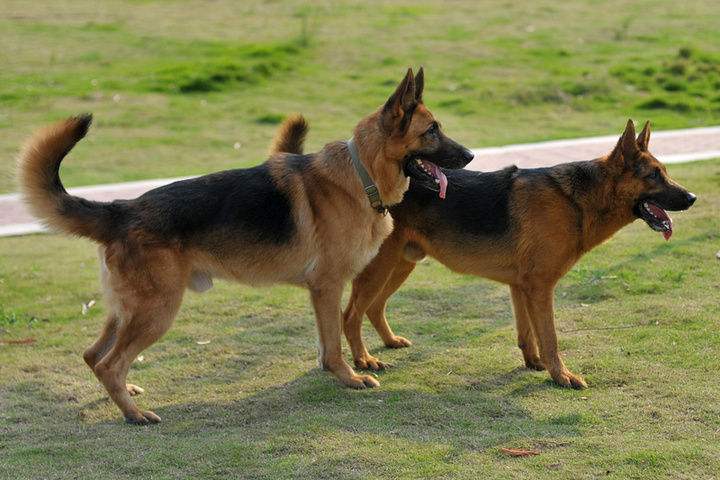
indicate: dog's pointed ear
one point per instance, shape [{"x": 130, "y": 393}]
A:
[
  {"x": 627, "y": 141},
  {"x": 626, "y": 148},
  {"x": 419, "y": 84},
  {"x": 644, "y": 138},
  {"x": 399, "y": 104}
]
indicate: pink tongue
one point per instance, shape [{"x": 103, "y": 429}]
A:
[
  {"x": 664, "y": 217},
  {"x": 438, "y": 173}
]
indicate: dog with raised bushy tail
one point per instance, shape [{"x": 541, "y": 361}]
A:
[{"x": 309, "y": 220}]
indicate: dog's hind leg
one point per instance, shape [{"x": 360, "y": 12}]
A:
[
  {"x": 376, "y": 311},
  {"x": 144, "y": 289},
  {"x": 102, "y": 345},
  {"x": 137, "y": 331},
  {"x": 107, "y": 337},
  {"x": 539, "y": 303},
  {"x": 526, "y": 337}
]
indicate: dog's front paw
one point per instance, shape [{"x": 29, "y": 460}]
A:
[
  {"x": 533, "y": 362},
  {"x": 398, "y": 342},
  {"x": 565, "y": 378},
  {"x": 368, "y": 362},
  {"x": 361, "y": 381},
  {"x": 142, "y": 418}
]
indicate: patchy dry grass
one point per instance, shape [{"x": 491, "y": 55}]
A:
[{"x": 638, "y": 317}]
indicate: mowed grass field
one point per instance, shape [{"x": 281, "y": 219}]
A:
[{"x": 183, "y": 88}]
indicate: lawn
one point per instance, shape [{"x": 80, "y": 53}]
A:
[{"x": 175, "y": 86}]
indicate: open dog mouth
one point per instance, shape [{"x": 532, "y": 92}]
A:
[
  {"x": 431, "y": 173},
  {"x": 656, "y": 218}
]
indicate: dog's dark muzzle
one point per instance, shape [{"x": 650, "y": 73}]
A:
[
  {"x": 464, "y": 157},
  {"x": 674, "y": 200},
  {"x": 451, "y": 155}
]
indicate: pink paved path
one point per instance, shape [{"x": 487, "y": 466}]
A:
[{"x": 670, "y": 146}]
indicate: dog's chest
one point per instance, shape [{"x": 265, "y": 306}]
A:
[{"x": 369, "y": 243}]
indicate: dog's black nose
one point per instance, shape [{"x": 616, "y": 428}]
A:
[
  {"x": 468, "y": 155},
  {"x": 691, "y": 198}
]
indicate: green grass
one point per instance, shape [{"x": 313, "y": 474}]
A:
[{"x": 177, "y": 86}]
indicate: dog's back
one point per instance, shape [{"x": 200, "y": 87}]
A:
[{"x": 477, "y": 205}]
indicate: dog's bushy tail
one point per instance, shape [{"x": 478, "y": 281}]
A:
[
  {"x": 44, "y": 193},
  {"x": 290, "y": 138}
]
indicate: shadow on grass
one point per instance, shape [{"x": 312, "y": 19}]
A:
[
  {"x": 474, "y": 416},
  {"x": 417, "y": 413}
]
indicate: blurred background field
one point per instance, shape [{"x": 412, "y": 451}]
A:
[{"x": 181, "y": 88}]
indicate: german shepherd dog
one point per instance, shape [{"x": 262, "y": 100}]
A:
[
  {"x": 522, "y": 227},
  {"x": 298, "y": 219}
]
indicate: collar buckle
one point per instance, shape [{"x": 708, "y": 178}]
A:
[{"x": 373, "y": 195}]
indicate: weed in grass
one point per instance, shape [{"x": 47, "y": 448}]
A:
[
  {"x": 674, "y": 85},
  {"x": 621, "y": 32},
  {"x": 10, "y": 318},
  {"x": 223, "y": 69}
]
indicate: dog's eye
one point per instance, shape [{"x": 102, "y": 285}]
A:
[
  {"x": 655, "y": 175},
  {"x": 432, "y": 130}
]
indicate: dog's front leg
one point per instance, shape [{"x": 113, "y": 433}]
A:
[
  {"x": 539, "y": 303},
  {"x": 326, "y": 302}
]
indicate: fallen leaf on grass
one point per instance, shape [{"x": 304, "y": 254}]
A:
[
  {"x": 519, "y": 452},
  {"x": 20, "y": 341}
]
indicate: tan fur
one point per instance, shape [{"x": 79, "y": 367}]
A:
[
  {"x": 38, "y": 166},
  {"x": 290, "y": 136}
]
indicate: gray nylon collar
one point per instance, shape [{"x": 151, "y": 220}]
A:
[{"x": 369, "y": 186}]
